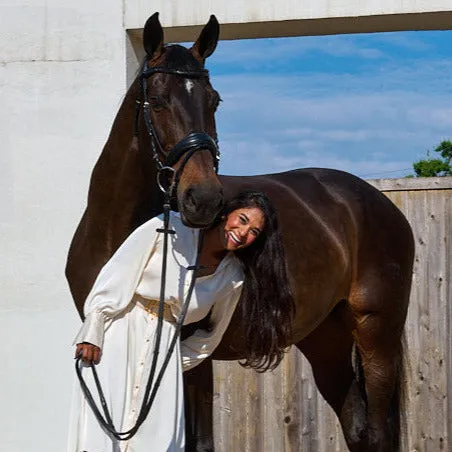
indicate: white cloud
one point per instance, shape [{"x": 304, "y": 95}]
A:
[
  {"x": 407, "y": 41},
  {"x": 251, "y": 53},
  {"x": 376, "y": 122},
  {"x": 260, "y": 157}
]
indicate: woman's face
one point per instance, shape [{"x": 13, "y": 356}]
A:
[{"x": 242, "y": 227}]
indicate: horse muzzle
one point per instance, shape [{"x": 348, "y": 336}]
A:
[{"x": 200, "y": 204}]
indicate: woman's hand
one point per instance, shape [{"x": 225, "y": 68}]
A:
[{"x": 88, "y": 352}]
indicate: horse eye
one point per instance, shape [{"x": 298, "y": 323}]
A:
[
  {"x": 215, "y": 101},
  {"x": 157, "y": 103}
]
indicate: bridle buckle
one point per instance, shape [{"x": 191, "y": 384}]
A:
[{"x": 166, "y": 186}]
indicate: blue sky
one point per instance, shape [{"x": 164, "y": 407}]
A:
[{"x": 370, "y": 104}]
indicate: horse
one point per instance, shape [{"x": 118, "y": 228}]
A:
[
  {"x": 349, "y": 249},
  {"x": 172, "y": 128}
]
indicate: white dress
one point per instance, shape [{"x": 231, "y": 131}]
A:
[{"x": 125, "y": 333}]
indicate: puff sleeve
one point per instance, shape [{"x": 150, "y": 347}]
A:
[
  {"x": 200, "y": 345},
  {"x": 117, "y": 281}
]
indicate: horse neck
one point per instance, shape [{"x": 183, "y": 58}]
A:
[{"x": 123, "y": 190}]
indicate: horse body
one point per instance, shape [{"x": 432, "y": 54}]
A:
[
  {"x": 341, "y": 236},
  {"x": 349, "y": 249},
  {"x": 350, "y": 255},
  {"x": 314, "y": 223}
]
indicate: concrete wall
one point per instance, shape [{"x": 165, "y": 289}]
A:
[
  {"x": 62, "y": 78},
  {"x": 271, "y": 18}
]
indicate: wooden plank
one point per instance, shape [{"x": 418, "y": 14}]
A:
[
  {"x": 412, "y": 183},
  {"x": 428, "y": 334},
  {"x": 447, "y": 243}
]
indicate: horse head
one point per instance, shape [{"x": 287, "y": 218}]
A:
[{"x": 179, "y": 113}]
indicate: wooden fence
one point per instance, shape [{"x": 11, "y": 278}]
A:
[{"x": 283, "y": 411}]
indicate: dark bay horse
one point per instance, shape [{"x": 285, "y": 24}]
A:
[
  {"x": 350, "y": 250},
  {"x": 175, "y": 128}
]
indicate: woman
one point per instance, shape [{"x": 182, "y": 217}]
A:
[{"x": 241, "y": 252}]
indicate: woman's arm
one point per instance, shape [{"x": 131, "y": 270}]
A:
[
  {"x": 116, "y": 283},
  {"x": 202, "y": 343}
]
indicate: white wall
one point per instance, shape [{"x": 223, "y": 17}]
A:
[
  {"x": 270, "y": 18},
  {"x": 62, "y": 78}
]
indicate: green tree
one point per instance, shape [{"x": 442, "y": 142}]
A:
[{"x": 436, "y": 167}]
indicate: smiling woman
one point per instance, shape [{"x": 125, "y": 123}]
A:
[
  {"x": 243, "y": 249},
  {"x": 249, "y": 227}
]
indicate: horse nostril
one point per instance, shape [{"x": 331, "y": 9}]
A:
[
  {"x": 201, "y": 204},
  {"x": 190, "y": 201}
]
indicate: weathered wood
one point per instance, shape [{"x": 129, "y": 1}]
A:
[
  {"x": 414, "y": 183},
  {"x": 282, "y": 411}
]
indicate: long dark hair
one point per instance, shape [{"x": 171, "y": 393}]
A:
[{"x": 267, "y": 306}]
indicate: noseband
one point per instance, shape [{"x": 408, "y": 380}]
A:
[{"x": 186, "y": 147}]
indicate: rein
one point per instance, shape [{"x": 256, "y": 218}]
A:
[
  {"x": 105, "y": 420},
  {"x": 185, "y": 148}
]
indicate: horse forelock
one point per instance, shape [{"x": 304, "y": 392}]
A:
[{"x": 179, "y": 57}]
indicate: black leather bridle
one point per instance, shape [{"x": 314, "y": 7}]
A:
[{"x": 186, "y": 147}]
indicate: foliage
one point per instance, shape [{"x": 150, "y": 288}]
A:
[
  {"x": 436, "y": 167},
  {"x": 431, "y": 168}
]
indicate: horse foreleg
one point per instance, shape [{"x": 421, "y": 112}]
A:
[
  {"x": 329, "y": 350},
  {"x": 198, "y": 390}
]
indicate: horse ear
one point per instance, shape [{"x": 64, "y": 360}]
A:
[
  {"x": 153, "y": 37},
  {"x": 207, "y": 40}
]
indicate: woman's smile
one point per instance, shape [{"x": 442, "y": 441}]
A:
[{"x": 234, "y": 238}]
